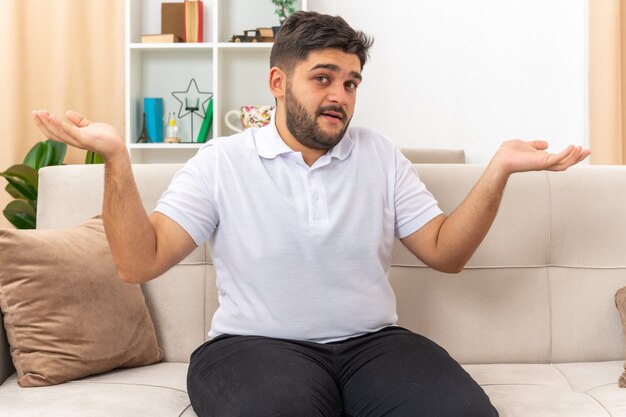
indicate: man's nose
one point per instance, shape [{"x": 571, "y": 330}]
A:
[{"x": 337, "y": 94}]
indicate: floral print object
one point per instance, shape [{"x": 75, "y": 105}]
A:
[{"x": 255, "y": 116}]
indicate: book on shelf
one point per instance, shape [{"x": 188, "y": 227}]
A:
[
  {"x": 266, "y": 32},
  {"x": 161, "y": 38},
  {"x": 206, "y": 123},
  {"x": 173, "y": 19},
  {"x": 194, "y": 10}
]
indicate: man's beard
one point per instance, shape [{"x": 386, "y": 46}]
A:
[{"x": 305, "y": 128}]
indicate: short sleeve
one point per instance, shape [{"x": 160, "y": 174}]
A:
[
  {"x": 190, "y": 198},
  {"x": 414, "y": 204}
]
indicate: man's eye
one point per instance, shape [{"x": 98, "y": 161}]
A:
[
  {"x": 321, "y": 78},
  {"x": 351, "y": 85}
]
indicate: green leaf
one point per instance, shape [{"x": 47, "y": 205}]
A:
[
  {"x": 93, "y": 158},
  {"x": 44, "y": 154},
  {"x": 23, "y": 181},
  {"x": 13, "y": 192},
  {"x": 57, "y": 154},
  {"x": 23, "y": 172},
  {"x": 20, "y": 214},
  {"x": 27, "y": 191},
  {"x": 34, "y": 155}
]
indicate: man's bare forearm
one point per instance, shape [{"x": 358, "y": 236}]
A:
[
  {"x": 467, "y": 226},
  {"x": 127, "y": 226}
]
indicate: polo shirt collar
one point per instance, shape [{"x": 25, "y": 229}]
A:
[
  {"x": 343, "y": 149},
  {"x": 269, "y": 144}
]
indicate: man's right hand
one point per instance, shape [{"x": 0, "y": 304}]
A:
[{"x": 81, "y": 133}]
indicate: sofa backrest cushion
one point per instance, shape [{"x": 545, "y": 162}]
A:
[
  {"x": 539, "y": 288},
  {"x": 434, "y": 156}
]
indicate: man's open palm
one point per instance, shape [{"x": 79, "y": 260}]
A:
[
  {"x": 81, "y": 133},
  {"x": 519, "y": 156}
]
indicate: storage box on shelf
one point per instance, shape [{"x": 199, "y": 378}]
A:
[{"x": 235, "y": 73}]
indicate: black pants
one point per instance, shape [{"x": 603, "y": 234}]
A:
[{"x": 390, "y": 373}]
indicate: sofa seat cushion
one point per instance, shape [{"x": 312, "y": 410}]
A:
[
  {"x": 517, "y": 390},
  {"x": 157, "y": 390},
  {"x": 542, "y": 390}
]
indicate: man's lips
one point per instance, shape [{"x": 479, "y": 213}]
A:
[{"x": 333, "y": 114}]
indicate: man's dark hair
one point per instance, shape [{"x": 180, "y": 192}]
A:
[{"x": 305, "y": 32}]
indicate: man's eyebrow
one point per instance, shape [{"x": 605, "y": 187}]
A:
[{"x": 335, "y": 68}]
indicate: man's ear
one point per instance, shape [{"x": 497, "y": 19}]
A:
[{"x": 278, "y": 82}]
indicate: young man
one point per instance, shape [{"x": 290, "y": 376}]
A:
[{"x": 301, "y": 216}]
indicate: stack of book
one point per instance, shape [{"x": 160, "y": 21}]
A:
[
  {"x": 265, "y": 34},
  {"x": 180, "y": 22},
  {"x": 160, "y": 38}
]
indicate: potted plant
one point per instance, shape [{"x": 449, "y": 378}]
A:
[
  {"x": 284, "y": 8},
  {"x": 23, "y": 181}
]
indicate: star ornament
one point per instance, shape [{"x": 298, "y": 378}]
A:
[{"x": 190, "y": 100}]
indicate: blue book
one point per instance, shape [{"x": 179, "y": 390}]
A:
[{"x": 153, "y": 106}]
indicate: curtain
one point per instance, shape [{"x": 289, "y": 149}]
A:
[
  {"x": 607, "y": 81},
  {"x": 58, "y": 55}
]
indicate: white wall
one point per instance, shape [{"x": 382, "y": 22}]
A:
[{"x": 470, "y": 74}]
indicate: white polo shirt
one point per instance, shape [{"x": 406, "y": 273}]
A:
[{"x": 300, "y": 252}]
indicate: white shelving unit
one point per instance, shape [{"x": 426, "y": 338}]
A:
[{"x": 236, "y": 73}]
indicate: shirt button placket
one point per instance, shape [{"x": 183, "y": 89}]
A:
[
  {"x": 316, "y": 187},
  {"x": 314, "y": 195}
]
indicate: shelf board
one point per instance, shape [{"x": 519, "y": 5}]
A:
[
  {"x": 173, "y": 46},
  {"x": 201, "y": 46},
  {"x": 163, "y": 145},
  {"x": 245, "y": 45}
]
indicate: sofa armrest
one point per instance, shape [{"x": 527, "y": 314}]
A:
[{"x": 6, "y": 364}]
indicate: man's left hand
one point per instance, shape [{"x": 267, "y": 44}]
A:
[{"x": 518, "y": 156}]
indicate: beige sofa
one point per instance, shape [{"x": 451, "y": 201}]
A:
[{"x": 532, "y": 317}]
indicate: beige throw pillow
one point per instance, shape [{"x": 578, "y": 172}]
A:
[
  {"x": 620, "y": 302},
  {"x": 66, "y": 312}
]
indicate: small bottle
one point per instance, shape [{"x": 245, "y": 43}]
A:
[{"x": 171, "y": 131}]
